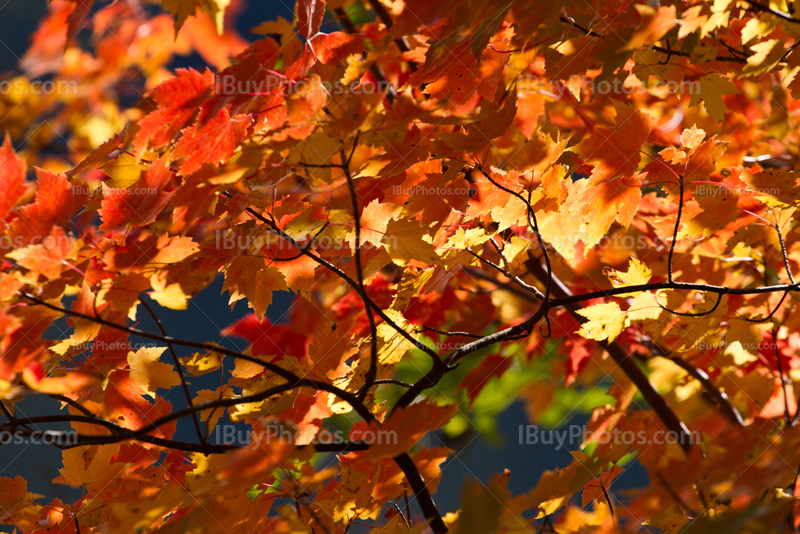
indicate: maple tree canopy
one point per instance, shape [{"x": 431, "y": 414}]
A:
[{"x": 455, "y": 193}]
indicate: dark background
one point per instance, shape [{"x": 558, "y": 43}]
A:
[{"x": 209, "y": 313}]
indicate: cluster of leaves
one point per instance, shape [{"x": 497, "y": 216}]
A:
[{"x": 437, "y": 183}]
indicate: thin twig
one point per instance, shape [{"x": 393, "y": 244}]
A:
[{"x": 179, "y": 368}]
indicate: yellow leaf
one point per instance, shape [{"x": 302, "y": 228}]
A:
[
  {"x": 14, "y": 496},
  {"x": 472, "y": 237},
  {"x": 211, "y": 417},
  {"x": 692, "y": 137},
  {"x": 667, "y": 520},
  {"x": 124, "y": 171},
  {"x": 405, "y": 241},
  {"x": 150, "y": 373},
  {"x": 606, "y": 321},
  {"x": 742, "y": 340},
  {"x": 174, "y": 249},
  {"x": 638, "y": 274},
  {"x": 644, "y": 308},
  {"x": 204, "y": 475},
  {"x": 767, "y": 55},
  {"x": 757, "y": 27},
  {"x": 355, "y": 490},
  {"x": 555, "y": 488},
  {"x": 710, "y": 91},
  {"x": 170, "y": 296},
  {"x": 90, "y": 467},
  {"x": 183, "y": 9},
  {"x": 411, "y": 285},
  {"x": 391, "y": 344},
  {"x": 201, "y": 363},
  {"x": 372, "y": 168},
  {"x": 249, "y": 277}
]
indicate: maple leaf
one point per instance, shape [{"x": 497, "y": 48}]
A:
[
  {"x": 98, "y": 155},
  {"x": 403, "y": 429},
  {"x": 14, "y": 496},
  {"x": 266, "y": 337},
  {"x": 336, "y": 45},
  {"x": 606, "y": 322},
  {"x": 124, "y": 171},
  {"x": 711, "y": 90},
  {"x": 140, "y": 205},
  {"x": 212, "y": 143},
  {"x": 149, "y": 373},
  {"x": 405, "y": 241},
  {"x": 57, "y": 200},
  {"x": 308, "y": 14},
  {"x": 178, "y": 100},
  {"x": 169, "y": 295},
  {"x": 48, "y": 258},
  {"x": 692, "y": 137},
  {"x": 599, "y": 488},
  {"x": 250, "y": 278},
  {"x": 12, "y": 178},
  {"x": 90, "y": 467},
  {"x": 614, "y": 152},
  {"x": 638, "y": 274},
  {"x": 183, "y": 9}
]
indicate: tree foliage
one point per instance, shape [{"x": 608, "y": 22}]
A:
[{"x": 456, "y": 193}]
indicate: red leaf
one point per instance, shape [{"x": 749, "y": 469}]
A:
[
  {"x": 268, "y": 338},
  {"x": 56, "y": 202},
  {"x": 309, "y": 15},
  {"x": 178, "y": 100},
  {"x": 337, "y": 45},
  {"x": 78, "y": 16},
  {"x": 214, "y": 143},
  {"x": 140, "y": 205},
  {"x": 12, "y": 178}
]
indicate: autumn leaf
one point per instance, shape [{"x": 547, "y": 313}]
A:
[
  {"x": 49, "y": 258},
  {"x": 140, "y": 205},
  {"x": 710, "y": 91},
  {"x": 402, "y": 431},
  {"x": 90, "y": 468},
  {"x": 12, "y": 177},
  {"x": 212, "y": 143},
  {"x": 405, "y": 241},
  {"x": 692, "y": 137},
  {"x": 308, "y": 14},
  {"x": 183, "y": 9},
  {"x": 249, "y": 277},
  {"x": 149, "y": 372},
  {"x": 606, "y": 322},
  {"x": 336, "y": 45},
  {"x": 97, "y": 156},
  {"x": 638, "y": 274}
]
